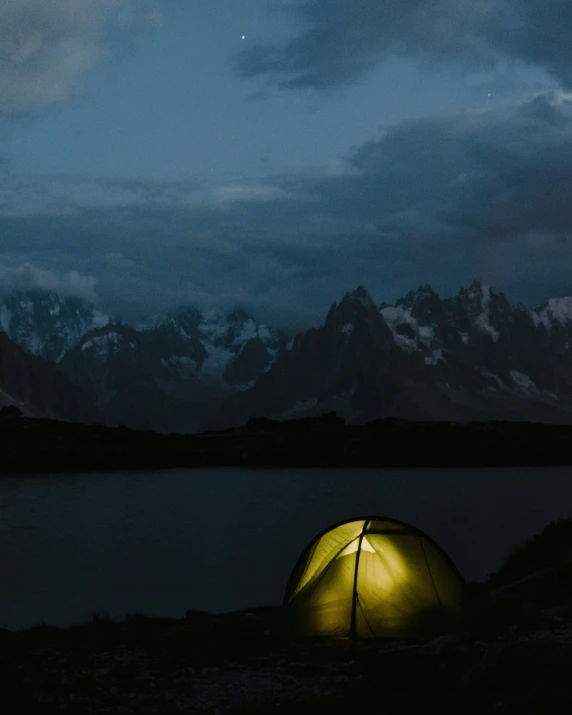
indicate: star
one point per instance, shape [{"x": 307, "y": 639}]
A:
[{"x": 243, "y": 37}]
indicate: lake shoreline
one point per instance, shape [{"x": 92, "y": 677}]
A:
[
  {"x": 39, "y": 445},
  {"x": 236, "y": 663}
]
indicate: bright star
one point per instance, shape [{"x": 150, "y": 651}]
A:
[{"x": 243, "y": 37}]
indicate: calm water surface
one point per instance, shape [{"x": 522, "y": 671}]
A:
[{"x": 222, "y": 539}]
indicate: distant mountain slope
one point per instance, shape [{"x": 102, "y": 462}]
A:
[
  {"x": 173, "y": 372},
  {"x": 38, "y": 388},
  {"x": 472, "y": 356},
  {"x": 469, "y": 356},
  {"x": 47, "y": 324},
  {"x": 169, "y": 373}
]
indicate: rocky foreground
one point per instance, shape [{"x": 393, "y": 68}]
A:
[
  {"x": 515, "y": 657},
  {"x": 39, "y": 445}
]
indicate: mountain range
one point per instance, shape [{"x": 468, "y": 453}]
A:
[
  {"x": 472, "y": 356},
  {"x": 170, "y": 372},
  {"x": 469, "y": 357}
]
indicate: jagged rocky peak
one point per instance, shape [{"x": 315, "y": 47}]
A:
[
  {"x": 475, "y": 298},
  {"x": 422, "y": 305},
  {"x": 478, "y": 309},
  {"x": 354, "y": 306},
  {"x": 423, "y": 294},
  {"x": 240, "y": 327},
  {"x": 413, "y": 318},
  {"x": 358, "y": 316},
  {"x": 479, "y": 293},
  {"x": 47, "y": 324},
  {"x": 233, "y": 330},
  {"x": 477, "y": 287},
  {"x": 182, "y": 324},
  {"x": 184, "y": 319},
  {"x": 186, "y": 314}
]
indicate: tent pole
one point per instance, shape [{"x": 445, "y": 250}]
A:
[{"x": 353, "y": 625}]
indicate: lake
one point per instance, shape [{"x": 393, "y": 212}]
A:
[{"x": 222, "y": 539}]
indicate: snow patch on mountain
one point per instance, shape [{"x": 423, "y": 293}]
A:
[
  {"x": 7, "y": 399},
  {"x": 426, "y": 332},
  {"x": 474, "y": 305},
  {"x": 216, "y": 361},
  {"x": 407, "y": 332},
  {"x": 484, "y": 324},
  {"x": 246, "y": 386},
  {"x": 300, "y": 406},
  {"x": 524, "y": 381},
  {"x": 213, "y": 326},
  {"x": 104, "y": 344},
  {"x": 485, "y": 373},
  {"x": 396, "y": 316},
  {"x": 249, "y": 331},
  {"x": 434, "y": 358},
  {"x": 557, "y": 309},
  {"x": 274, "y": 353},
  {"x": 264, "y": 333},
  {"x": 483, "y": 294}
]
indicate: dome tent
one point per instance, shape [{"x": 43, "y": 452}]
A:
[{"x": 373, "y": 577}]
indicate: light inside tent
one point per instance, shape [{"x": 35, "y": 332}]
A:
[{"x": 353, "y": 547}]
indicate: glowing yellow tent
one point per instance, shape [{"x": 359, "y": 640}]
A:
[{"x": 373, "y": 577}]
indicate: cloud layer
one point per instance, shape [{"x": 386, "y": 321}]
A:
[
  {"x": 340, "y": 40},
  {"x": 483, "y": 194},
  {"x": 28, "y": 277}
]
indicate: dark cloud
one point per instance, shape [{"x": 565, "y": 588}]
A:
[
  {"x": 47, "y": 45},
  {"x": 343, "y": 39},
  {"x": 444, "y": 200}
]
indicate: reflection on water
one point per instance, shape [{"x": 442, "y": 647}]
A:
[{"x": 220, "y": 539}]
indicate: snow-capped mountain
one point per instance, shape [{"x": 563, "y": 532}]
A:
[
  {"x": 513, "y": 347},
  {"x": 225, "y": 350},
  {"x": 169, "y": 373},
  {"x": 172, "y": 371},
  {"x": 47, "y": 324},
  {"x": 471, "y": 356},
  {"x": 555, "y": 315}
]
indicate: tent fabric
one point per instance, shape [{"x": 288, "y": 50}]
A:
[{"x": 373, "y": 577}]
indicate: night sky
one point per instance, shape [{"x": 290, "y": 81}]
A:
[{"x": 277, "y": 153}]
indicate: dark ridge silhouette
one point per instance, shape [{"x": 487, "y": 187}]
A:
[
  {"x": 32, "y": 445},
  {"x": 38, "y": 388},
  {"x": 551, "y": 548}
]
